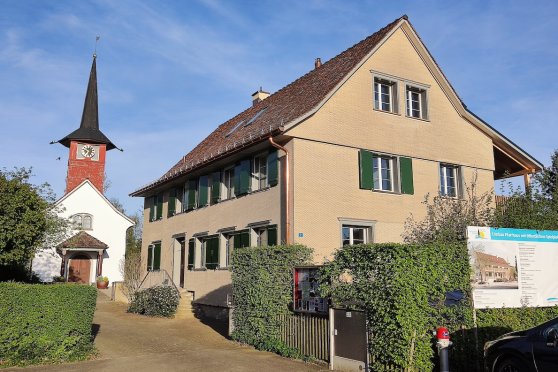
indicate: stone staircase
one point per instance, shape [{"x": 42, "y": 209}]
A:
[{"x": 185, "y": 310}]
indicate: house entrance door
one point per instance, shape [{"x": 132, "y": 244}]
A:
[{"x": 79, "y": 269}]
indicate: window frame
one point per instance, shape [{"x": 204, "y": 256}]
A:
[
  {"x": 380, "y": 81},
  {"x": 259, "y": 182},
  {"x": 79, "y": 225},
  {"x": 378, "y": 186},
  {"x": 152, "y": 254},
  {"x": 367, "y": 225},
  {"x": 443, "y": 178},
  {"x": 422, "y": 94},
  {"x": 228, "y": 183}
]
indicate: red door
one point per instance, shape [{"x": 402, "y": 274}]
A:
[{"x": 79, "y": 269}]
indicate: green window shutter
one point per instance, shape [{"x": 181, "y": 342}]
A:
[
  {"x": 272, "y": 236},
  {"x": 272, "y": 168},
  {"x": 245, "y": 239},
  {"x": 150, "y": 258},
  {"x": 191, "y": 253},
  {"x": 157, "y": 256},
  {"x": 365, "y": 165},
  {"x": 406, "y": 172},
  {"x": 153, "y": 202},
  {"x": 203, "y": 191},
  {"x": 212, "y": 253},
  {"x": 159, "y": 206},
  {"x": 242, "y": 178},
  {"x": 192, "y": 191},
  {"x": 215, "y": 187},
  {"x": 172, "y": 203}
]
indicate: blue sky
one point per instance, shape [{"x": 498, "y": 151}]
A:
[{"x": 170, "y": 71}]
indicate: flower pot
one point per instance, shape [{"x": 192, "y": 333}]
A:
[{"x": 102, "y": 285}]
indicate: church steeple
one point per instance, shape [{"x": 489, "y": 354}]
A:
[
  {"x": 88, "y": 130},
  {"x": 88, "y": 145}
]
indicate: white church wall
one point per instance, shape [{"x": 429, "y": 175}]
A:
[{"x": 108, "y": 226}]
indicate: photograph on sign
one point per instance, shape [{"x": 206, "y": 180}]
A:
[{"x": 513, "y": 267}]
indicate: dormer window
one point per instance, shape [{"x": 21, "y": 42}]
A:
[{"x": 82, "y": 221}]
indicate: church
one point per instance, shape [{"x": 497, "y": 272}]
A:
[{"x": 97, "y": 240}]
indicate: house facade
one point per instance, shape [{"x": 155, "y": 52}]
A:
[
  {"x": 343, "y": 155},
  {"x": 97, "y": 239}
]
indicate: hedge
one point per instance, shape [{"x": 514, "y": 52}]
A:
[
  {"x": 155, "y": 301},
  {"x": 262, "y": 282},
  {"x": 402, "y": 289},
  {"x": 45, "y": 323}
]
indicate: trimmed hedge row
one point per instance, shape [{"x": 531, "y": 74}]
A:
[
  {"x": 262, "y": 280},
  {"x": 45, "y": 323}
]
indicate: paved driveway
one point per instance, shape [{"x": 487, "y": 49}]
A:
[{"x": 128, "y": 342}]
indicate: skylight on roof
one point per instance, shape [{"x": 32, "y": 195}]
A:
[
  {"x": 255, "y": 117},
  {"x": 234, "y": 128}
]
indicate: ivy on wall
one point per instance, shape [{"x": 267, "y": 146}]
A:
[{"x": 262, "y": 282}]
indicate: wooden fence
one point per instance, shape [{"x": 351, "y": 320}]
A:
[{"x": 307, "y": 333}]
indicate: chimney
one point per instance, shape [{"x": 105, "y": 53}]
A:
[
  {"x": 259, "y": 96},
  {"x": 318, "y": 62}
]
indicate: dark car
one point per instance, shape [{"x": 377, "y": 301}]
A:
[{"x": 535, "y": 349}]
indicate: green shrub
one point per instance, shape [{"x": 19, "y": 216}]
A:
[
  {"x": 155, "y": 301},
  {"x": 262, "y": 281},
  {"x": 45, "y": 323},
  {"x": 402, "y": 288}
]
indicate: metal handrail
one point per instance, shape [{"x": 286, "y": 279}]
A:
[{"x": 158, "y": 277}]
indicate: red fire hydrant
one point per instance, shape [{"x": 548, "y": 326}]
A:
[{"x": 443, "y": 343}]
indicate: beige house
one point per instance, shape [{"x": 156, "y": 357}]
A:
[{"x": 340, "y": 156}]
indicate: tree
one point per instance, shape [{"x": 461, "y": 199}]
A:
[
  {"x": 547, "y": 179},
  {"x": 28, "y": 218},
  {"x": 535, "y": 208},
  {"x": 447, "y": 218}
]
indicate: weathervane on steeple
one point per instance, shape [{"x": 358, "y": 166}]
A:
[{"x": 96, "y": 41}]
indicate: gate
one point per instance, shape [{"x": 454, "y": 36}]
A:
[{"x": 350, "y": 344}]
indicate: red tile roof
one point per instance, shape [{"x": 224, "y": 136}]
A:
[
  {"x": 491, "y": 259},
  {"x": 83, "y": 240},
  {"x": 285, "y": 105}
]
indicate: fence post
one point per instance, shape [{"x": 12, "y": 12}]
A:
[{"x": 331, "y": 338}]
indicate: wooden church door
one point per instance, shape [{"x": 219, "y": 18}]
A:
[{"x": 79, "y": 269}]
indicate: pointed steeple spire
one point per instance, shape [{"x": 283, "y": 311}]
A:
[{"x": 89, "y": 128}]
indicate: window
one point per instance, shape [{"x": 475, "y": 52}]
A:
[
  {"x": 258, "y": 114},
  {"x": 385, "y": 173},
  {"x": 228, "y": 183},
  {"x": 416, "y": 102},
  {"x": 238, "y": 239},
  {"x": 259, "y": 172},
  {"x": 175, "y": 202},
  {"x": 385, "y": 95},
  {"x": 267, "y": 236},
  {"x": 210, "y": 252},
  {"x": 190, "y": 195},
  {"x": 82, "y": 221},
  {"x": 449, "y": 177},
  {"x": 156, "y": 208},
  {"x": 203, "y": 191},
  {"x": 154, "y": 256},
  {"x": 352, "y": 235}
]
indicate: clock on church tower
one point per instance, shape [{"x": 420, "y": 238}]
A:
[{"x": 87, "y": 144}]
